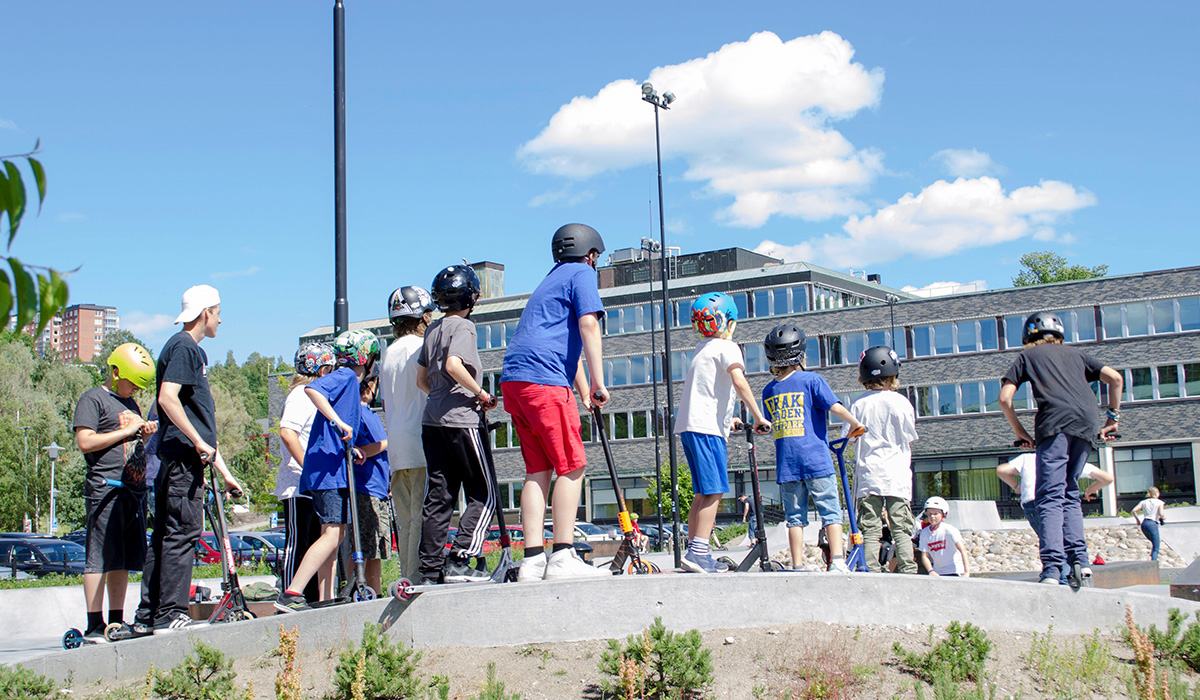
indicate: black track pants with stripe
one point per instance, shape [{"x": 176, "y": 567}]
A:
[{"x": 456, "y": 459}]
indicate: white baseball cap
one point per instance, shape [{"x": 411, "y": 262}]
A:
[{"x": 195, "y": 301}]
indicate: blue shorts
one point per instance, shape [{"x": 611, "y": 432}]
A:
[
  {"x": 708, "y": 459},
  {"x": 824, "y": 492},
  {"x": 332, "y": 506}
]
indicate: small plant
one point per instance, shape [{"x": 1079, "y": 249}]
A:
[
  {"x": 1069, "y": 673},
  {"x": 671, "y": 665},
  {"x": 1173, "y": 645},
  {"x": 20, "y": 683},
  {"x": 1146, "y": 682},
  {"x": 206, "y": 674},
  {"x": 378, "y": 668},
  {"x": 287, "y": 681},
  {"x": 494, "y": 689},
  {"x": 959, "y": 657}
]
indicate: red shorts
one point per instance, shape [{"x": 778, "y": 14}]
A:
[{"x": 547, "y": 423}]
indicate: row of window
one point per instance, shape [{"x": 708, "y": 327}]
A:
[
  {"x": 1162, "y": 382},
  {"x": 1151, "y": 317}
]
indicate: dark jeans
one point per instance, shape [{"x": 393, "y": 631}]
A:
[
  {"x": 178, "y": 522},
  {"x": 1150, "y": 530},
  {"x": 1031, "y": 515},
  {"x": 1060, "y": 461}
]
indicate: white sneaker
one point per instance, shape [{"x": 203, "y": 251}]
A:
[
  {"x": 567, "y": 564},
  {"x": 532, "y": 568},
  {"x": 839, "y": 567}
]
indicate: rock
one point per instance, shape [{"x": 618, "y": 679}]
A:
[{"x": 729, "y": 640}]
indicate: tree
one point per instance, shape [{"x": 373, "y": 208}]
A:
[
  {"x": 1043, "y": 267},
  {"x": 686, "y": 495},
  {"x": 38, "y": 295}
]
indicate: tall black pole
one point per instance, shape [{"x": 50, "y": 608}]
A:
[
  {"x": 668, "y": 380},
  {"x": 656, "y": 425},
  {"x": 341, "y": 307}
]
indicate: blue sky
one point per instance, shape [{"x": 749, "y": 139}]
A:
[{"x": 191, "y": 143}]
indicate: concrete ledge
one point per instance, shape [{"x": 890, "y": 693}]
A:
[{"x": 522, "y": 613}]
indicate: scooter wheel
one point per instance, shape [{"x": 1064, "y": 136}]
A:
[
  {"x": 72, "y": 639},
  {"x": 777, "y": 566},
  {"x": 243, "y": 615},
  {"x": 730, "y": 563},
  {"x": 363, "y": 594},
  {"x": 110, "y": 629},
  {"x": 399, "y": 589},
  {"x": 638, "y": 568},
  {"x": 655, "y": 568}
]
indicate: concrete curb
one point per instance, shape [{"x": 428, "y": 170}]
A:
[{"x": 523, "y": 613}]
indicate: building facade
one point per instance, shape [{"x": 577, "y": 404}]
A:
[
  {"x": 954, "y": 350},
  {"x": 80, "y": 331}
]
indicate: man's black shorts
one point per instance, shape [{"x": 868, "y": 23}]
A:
[{"x": 116, "y": 532}]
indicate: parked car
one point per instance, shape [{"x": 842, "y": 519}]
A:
[
  {"x": 207, "y": 552},
  {"x": 265, "y": 546},
  {"x": 39, "y": 556},
  {"x": 589, "y": 532},
  {"x": 79, "y": 537}
]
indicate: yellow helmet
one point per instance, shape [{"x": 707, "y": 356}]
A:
[{"x": 133, "y": 362}]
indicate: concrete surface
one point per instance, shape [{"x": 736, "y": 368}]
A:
[
  {"x": 544, "y": 612},
  {"x": 974, "y": 515}
]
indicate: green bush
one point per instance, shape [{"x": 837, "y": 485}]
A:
[
  {"x": 494, "y": 689},
  {"x": 206, "y": 674},
  {"x": 379, "y": 668},
  {"x": 959, "y": 657},
  {"x": 1175, "y": 643},
  {"x": 657, "y": 663},
  {"x": 1069, "y": 673},
  {"x": 20, "y": 683}
]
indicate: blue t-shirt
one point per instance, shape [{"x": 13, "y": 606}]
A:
[
  {"x": 373, "y": 476},
  {"x": 545, "y": 349},
  {"x": 797, "y": 408},
  {"x": 325, "y": 455}
]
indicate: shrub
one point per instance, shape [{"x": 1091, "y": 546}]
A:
[
  {"x": 1069, "y": 673},
  {"x": 959, "y": 657},
  {"x": 378, "y": 669},
  {"x": 494, "y": 689},
  {"x": 206, "y": 674},
  {"x": 657, "y": 664},
  {"x": 1170, "y": 644},
  {"x": 287, "y": 681},
  {"x": 20, "y": 683}
]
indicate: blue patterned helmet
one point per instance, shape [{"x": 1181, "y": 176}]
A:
[
  {"x": 409, "y": 302},
  {"x": 712, "y": 313},
  {"x": 356, "y": 348},
  {"x": 311, "y": 357}
]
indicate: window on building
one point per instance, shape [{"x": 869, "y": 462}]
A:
[
  {"x": 943, "y": 339},
  {"x": 1012, "y": 330},
  {"x": 800, "y": 299},
  {"x": 1085, "y": 324},
  {"x": 585, "y": 427},
  {"x": 1137, "y": 319},
  {"x": 779, "y": 301},
  {"x": 683, "y": 313},
  {"x": 620, "y": 371},
  {"x": 756, "y": 358},
  {"x": 1141, "y": 383},
  {"x": 968, "y": 336},
  {"x": 970, "y": 397},
  {"x": 947, "y": 400},
  {"x": 637, "y": 369},
  {"x": 925, "y": 402},
  {"x": 1111, "y": 318},
  {"x": 510, "y": 329},
  {"x": 988, "y": 338},
  {"x": 921, "y": 345},
  {"x": 500, "y": 435},
  {"x": 1169, "y": 467},
  {"x": 639, "y": 424},
  {"x": 1164, "y": 316},
  {"x": 812, "y": 353},
  {"x": 621, "y": 426},
  {"x": 1191, "y": 379},
  {"x": 739, "y": 299},
  {"x": 1168, "y": 381},
  {"x": 833, "y": 349},
  {"x": 1189, "y": 314},
  {"x": 991, "y": 395},
  {"x": 762, "y": 303}
]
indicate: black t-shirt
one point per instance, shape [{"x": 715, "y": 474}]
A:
[
  {"x": 104, "y": 412},
  {"x": 182, "y": 362},
  {"x": 1060, "y": 376}
]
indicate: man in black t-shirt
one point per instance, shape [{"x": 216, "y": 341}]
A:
[
  {"x": 109, "y": 431},
  {"x": 187, "y": 443},
  {"x": 1064, "y": 427}
]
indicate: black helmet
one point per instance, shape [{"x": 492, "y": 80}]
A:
[
  {"x": 456, "y": 288},
  {"x": 785, "y": 345},
  {"x": 1041, "y": 324},
  {"x": 575, "y": 241},
  {"x": 409, "y": 302},
  {"x": 877, "y": 362}
]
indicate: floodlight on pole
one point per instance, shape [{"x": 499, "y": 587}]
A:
[
  {"x": 53, "y": 450},
  {"x": 661, "y": 102}
]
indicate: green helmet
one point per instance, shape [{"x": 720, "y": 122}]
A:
[
  {"x": 133, "y": 362},
  {"x": 357, "y": 347}
]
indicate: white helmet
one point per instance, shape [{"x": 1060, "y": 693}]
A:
[{"x": 939, "y": 503}]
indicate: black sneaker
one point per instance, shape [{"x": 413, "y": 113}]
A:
[
  {"x": 176, "y": 622},
  {"x": 289, "y": 602},
  {"x": 459, "y": 570},
  {"x": 95, "y": 636}
]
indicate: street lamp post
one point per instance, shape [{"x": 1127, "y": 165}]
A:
[
  {"x": 341, "y": 307},
  {"x": 25, "y": 432},
  {"x": 651, "y": 247},
  {"x": 52, "y": 451},
  {"x": 664, "y": 102}
]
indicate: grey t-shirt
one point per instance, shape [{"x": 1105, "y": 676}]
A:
[
  {"x": 104, "y": 412},
  {"x": 449, "y": 404}
]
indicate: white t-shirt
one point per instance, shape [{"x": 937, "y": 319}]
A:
[
  {"x": 708, "y": 397},
  {"x": 883, "y": 462},
  {"x": 403, "y": 403},
  {"x": 298, "y": 415},
  {"x": 1152, "y": 508},
  {"x": 942, "y": 547},
  {"x": 1026, "y": 469}
]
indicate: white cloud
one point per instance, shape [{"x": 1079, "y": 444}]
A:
[
  {"x": 8, "y": 124},
  {"x": 678, "y": 226},
  {"x": 937, "y": 289},
  {"x": 564, "y": 196},
  {"x": 247, "y": 272},
  {"x": 752, "y": 122},
  {"x": 960, "y": 162},
  {"x": 141, "y": 323},
  {"x": 69, "y": 217},
  {"x": 944, "y": 218}
]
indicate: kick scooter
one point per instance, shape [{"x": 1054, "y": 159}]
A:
[
  {"x": 232, "y": 606},
  {"x": 627, "y": 558},
  {"x": 505, "y": 570},
  {"x": 856, "y": 559},
  {"x": 758, "y": 553}
]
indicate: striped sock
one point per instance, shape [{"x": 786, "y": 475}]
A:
[{"x": 699, "y": 545}]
